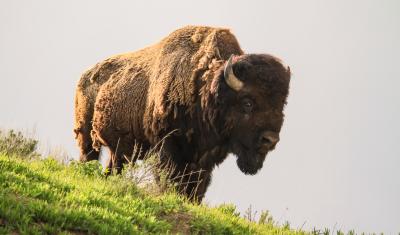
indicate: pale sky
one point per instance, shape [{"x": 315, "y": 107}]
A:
[{"x": 337, "y": 164}]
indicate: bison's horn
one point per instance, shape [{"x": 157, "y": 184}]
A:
[{"x": 230, "y": 78}]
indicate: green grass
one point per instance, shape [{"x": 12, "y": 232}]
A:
[
  {"x": 43, "y": 196},
  {"x": 46, "y": 197}
]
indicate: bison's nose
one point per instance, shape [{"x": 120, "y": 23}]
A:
[{"x": 269, "y": 139}]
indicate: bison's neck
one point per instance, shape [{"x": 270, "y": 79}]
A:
[
  {"x": 211, "y": 129},
  {"x": 197, "y": 134}
]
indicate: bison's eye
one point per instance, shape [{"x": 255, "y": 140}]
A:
[{"x": 247, "y": 105}]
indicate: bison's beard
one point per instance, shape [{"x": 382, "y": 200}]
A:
[{"x": 249, "y": 161}]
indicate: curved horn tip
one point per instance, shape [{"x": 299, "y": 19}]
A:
[{"x": 230, "y": 78}]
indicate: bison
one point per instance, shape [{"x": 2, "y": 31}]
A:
[{"x": 196, "y": 92}]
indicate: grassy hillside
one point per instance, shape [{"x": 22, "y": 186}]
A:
[{"x": 46, "y": 197}]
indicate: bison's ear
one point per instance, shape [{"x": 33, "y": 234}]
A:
[{"x": 230, "y": 78}]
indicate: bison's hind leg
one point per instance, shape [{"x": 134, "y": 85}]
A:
[
  {"x": 85, "y": 144},
  {"x": 120, "y": 153}
]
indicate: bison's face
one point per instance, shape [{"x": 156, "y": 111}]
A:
[{"x": 259, "y": 87}]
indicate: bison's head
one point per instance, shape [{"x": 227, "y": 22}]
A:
[{"x": 255, "y": 89}]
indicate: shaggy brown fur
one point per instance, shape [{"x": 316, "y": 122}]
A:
[
  {"x": 176, "y": 88},
  {"x": 85, "y": 97}
]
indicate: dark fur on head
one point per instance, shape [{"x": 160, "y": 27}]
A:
[{"x": 266, "y": 85}]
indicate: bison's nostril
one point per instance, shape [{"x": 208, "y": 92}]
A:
[{"x": 269, "y": 139}]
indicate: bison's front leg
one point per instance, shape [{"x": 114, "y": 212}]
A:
[
  {"x": 201, "y": 180},
  {"x": 189, "y": 178},
  {"x": 191, "y": 182}
]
